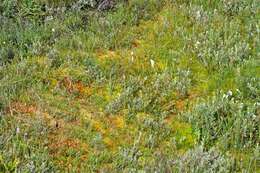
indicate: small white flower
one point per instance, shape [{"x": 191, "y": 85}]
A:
[
  {"x": 17, "y": 130},
  {"x": 229, "y": 93},
  {"x": 4, "y": 42},
  {"x": 53, "y": 30},
  {"x": 49, "y": 18},
  {"x": 152, "y": 63},
  {"x": 25, "y": 135},
  {"x": 132, "y": 56},
  {"x": 198, "y": 14},
  {"x": 197, "y": 44}
]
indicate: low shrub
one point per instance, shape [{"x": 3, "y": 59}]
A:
[
  {"x": 19, "y": 152},
  {"x": 227, "y": 120},
  {"x": 198, "y": 160}
]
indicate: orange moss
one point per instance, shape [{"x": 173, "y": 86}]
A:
[
  {"x": 82, "y": 89},
  {"x": 119, "y": 122},
  {"x": 180, "y": 105},
  {"x": 23, "y": 108},
  {"x": 98, "y": 126},
  {"x": 75, "y": 87},
  {"x": 108, "y": 54},
  {"x": 58, "y": 143},
  {"x": 67, "y": 83},
  {"x": 108, "y": 142},
  {"x": 136, "y": 43}
]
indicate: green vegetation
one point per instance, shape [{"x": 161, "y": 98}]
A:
[{"x": 142, "y": 86}]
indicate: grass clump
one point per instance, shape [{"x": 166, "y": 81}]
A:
[{"x": 136, "y": 100}]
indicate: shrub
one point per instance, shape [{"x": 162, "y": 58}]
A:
[
  {"x": 24, "y": 8},
  {"x": 227, "y": 120},
  {"x": 249, "y": 87},
  {"x": 197, "y": 160},
  {"x": 183, "y": 82},
  {"x": 19, "y": 152},
  {"x": 222, "y": 48}
]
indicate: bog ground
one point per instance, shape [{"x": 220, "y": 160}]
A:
[{"x": 152, "y": 86}]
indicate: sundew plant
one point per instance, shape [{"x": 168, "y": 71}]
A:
[{"x": 130, "y": 86}]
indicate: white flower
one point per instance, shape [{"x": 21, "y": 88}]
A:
[
  {"x": 132, "y": 59},
  {"x": 53, "y": 30},
  {"x": 229, "y": 93},
  {"x": 198, "y": 15},
  {"x": 197, "y": 44},
  {"x": 17, "y": 130},
  {"x": 25, "y": 135},
  {"x": 132, "y": 56},
  {"x": 152, "y": 63},
  {"x": 49, "y": 18}
]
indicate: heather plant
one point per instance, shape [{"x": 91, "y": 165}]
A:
[
  {"x": 94, "y": 72},
  {"x": 199, "y": 160},
  {"x": 250, "y": 88},
  {"x": 24, "y": 8},
  {"x": 222, "y": 48},
  {"x": 183, "y": 82},
  {"x": 226, "y": 120},
  {"x": 19, "y": 152},
  {"x": 194, "y": 160},
  {"x": 234, "y": 7}
]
